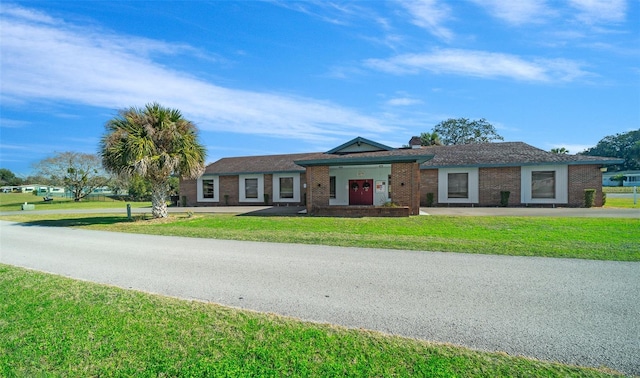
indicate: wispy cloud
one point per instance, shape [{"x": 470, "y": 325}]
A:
[
  {"x": 430, "y": 15},
  {"x": 480, "y": 64},
  {"x": 515, "y": 12},
  {"x": 597, "y": 11},
  {"x": 46, "y": 59},
  {"x": 403, "y": 101}
]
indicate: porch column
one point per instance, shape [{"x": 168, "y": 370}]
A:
[
  {"x": 405, "y": 186},
  {"x": 317, "y": 187}
]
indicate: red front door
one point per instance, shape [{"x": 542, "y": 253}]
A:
[{"x": 361, "y": 192}]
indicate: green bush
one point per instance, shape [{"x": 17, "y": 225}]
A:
[
  {"x": 429, "y": 199},
  {"x": 504, "y": 198},
  {"x": 589, "y": 197}
]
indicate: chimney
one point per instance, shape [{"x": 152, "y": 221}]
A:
[{"x": 415, "y": 142}]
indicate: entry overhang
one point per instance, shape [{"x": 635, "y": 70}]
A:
[{"x": 361, "y": 160}]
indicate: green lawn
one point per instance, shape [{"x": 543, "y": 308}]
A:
[
  {"x": 586, "y": 238},
  {"x": 13, "y": 201},
  {"x": 57, "y": 327}
]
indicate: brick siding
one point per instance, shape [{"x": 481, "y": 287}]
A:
[
  {"x": 583, "y": 177},
  {"x": 491, "y": 181},
  {"x": 405, "y": 189},
  {"x": 317, "y": 188}
]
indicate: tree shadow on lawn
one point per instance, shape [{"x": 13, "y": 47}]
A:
[
  {"x": 276, "y": 211},
  {"x": 74, "y": 222}
]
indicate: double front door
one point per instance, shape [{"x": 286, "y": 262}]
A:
[{"x": 361, "y": 192}]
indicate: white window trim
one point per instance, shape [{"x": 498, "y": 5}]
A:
[
  {"x": 216, "y": 188},
  {"x": 296, "y": 187},
  {"x": 443, "y": 185},
  {"x": 242, "y": 194},
  {"x": 562, "y": 184}
]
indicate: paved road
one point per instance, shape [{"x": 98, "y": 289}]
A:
[{"x": 573, "y": 311}]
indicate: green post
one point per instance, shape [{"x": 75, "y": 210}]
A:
[{"x": 129, "y": 211}]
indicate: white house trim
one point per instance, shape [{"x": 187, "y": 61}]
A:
[
  {"x": 443, "y": 185},
  {"x": 216, "y": 188},
  {"x": 561, "y": 184},
  {"x": 242, "y": 188},
  {"x": 296, "y": 187}
]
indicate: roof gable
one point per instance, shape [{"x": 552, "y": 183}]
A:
[{"x": 358, "y": 145}]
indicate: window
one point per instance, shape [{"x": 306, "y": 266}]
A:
[
  {"x": 207, "y": 188},
  {"x": 543, "y": 184},
  {"x": 332, "y": 187},
  {"x": 458, "y": 185},
  {"x": 286, "y": 187},
  {"x": 251, "y": 188}
]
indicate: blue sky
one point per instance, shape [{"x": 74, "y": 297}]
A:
[{"x": 282, "y": 77}]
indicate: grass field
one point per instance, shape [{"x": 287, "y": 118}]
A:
[
  {"x": 57, "y": 327},
  {"x": 13, "y": 201},
  {"x": 586, "y": 238}
]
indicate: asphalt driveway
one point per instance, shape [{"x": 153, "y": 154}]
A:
[{"x": 573, "y": 311}]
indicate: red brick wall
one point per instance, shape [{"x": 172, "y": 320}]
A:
[
  {"x": 428, "y": 184},
  {"x": 583, "y": 177},
  {"x": 491, "y": 181},
  {"x": 405, "y": 190},
  {"x": 317, "y": 188},
  {"x": 188, "y": 189}
]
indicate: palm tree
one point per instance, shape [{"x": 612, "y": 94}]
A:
[
  {"x": 430, "y": 139},
  {"x": 154, "y": 143}
]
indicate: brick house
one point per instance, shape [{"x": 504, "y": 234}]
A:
[{"x": 361, "y": 177}]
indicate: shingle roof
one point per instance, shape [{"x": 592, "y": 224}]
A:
[
  {"x": 467, "y": 155},
  {"x": 257, "y": 164},
  {"x": 503, "y": 154}
]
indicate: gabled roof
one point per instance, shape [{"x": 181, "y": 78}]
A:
[
  {"x": 362, "y": 158},
  {"x": 357, "y": 145},
  {"x": 502, "y": 155},
  {"x": 257, "y": 164}
]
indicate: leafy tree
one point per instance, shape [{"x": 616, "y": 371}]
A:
[
  {"x": 9, "y": 178},
  {"x": 80, "y": 173},
  {"x": 624, "y": 146},
  {"x": 153, "y": 142},
  {"x": 619, "y": 178},
  {"x": 464, "y": 131},
  {"x": 559, "y": 151},
  {"x": 430, "y": 139}
]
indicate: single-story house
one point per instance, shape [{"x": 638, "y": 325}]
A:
[
  {"x": 363, "y": 177},
  {"x": 629, "y": 178}
]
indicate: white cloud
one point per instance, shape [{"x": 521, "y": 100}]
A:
[
  {"x": 430, "y": 15},
  {"x": 515, "y": 12},
  {"x": 403, "y": 101},
  {"x": 596, "y": 11},
  {"x": 480, "y": 64},
  {"x": 51, "y": 61}
]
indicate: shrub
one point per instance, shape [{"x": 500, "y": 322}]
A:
[
  {"x": 504, "y": 198},
  {"x": 429, "y": 199},
  {"x": 589, "y": 197}
]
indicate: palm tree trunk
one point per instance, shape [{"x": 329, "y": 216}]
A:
[{"x": 159, "y": 199}]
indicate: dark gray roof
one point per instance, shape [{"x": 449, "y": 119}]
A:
[
  {"x": 257, "y": 164},
  {"x": 503, "y": 154},
  {"x": 468, "y": 155}
]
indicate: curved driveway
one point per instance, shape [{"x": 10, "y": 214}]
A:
[{"x": 573, "y": 311}]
